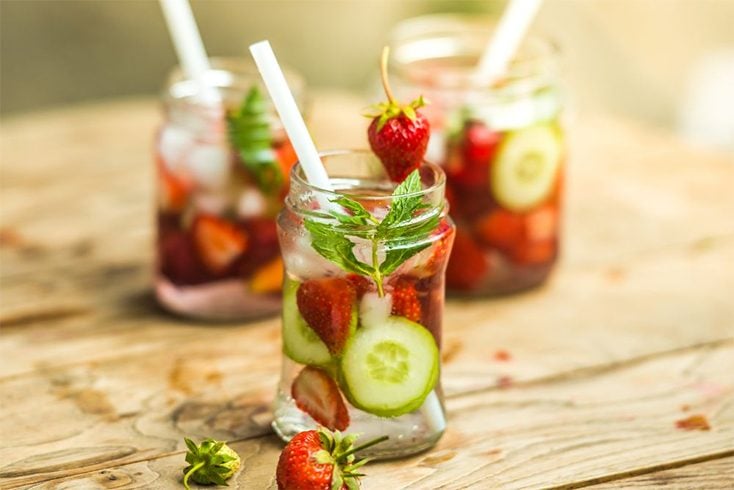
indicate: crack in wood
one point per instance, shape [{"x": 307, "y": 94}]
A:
[
  {"x": 46, "y": 315},
  {"x": 643, "y": 471}
]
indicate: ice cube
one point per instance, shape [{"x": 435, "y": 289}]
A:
[
  {"x": 302, "y": 261},
  {"x": 209, "y": 165},
  {"x": 210, "y": 202},
  {"x": 251, "y": 203},
  {"x": 172, "y": 145},
  {"x": 374, "y": 310}
]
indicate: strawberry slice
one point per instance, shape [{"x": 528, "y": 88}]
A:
[
  {"x": 476, "y": 149},
  {"x": 405, "y": 300},
  {"x": 468, "y": 264},
  {"x": 361, "y": 284},
  {"x": 534, "y": 252},
  {"x": 318, "y": 395},
  {"x": 501, "y": 229},
  {"x": 218, "y": 242},
  {"x": 178, "y": 260},
  {"x": 327, "y": 305},
  {"x": 173, "y": 191}
]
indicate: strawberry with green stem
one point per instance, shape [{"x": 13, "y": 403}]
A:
[
  {"x": 321, "y": 460},
  {"x": 398, "y": 133}
]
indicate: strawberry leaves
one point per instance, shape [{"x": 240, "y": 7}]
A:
[
  {"x": 249, "y": 133},
  {"x": 402, "y": 233},
  {"x": 211, "y": 462}
]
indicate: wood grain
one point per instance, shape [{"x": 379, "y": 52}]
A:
[
  {"x": 717, "y": 474},
  {"x": 116, "y": 383},
  {"x": 600, "y": 427}
]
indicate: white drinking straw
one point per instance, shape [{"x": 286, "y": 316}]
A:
[
  {"x": 501, "y": 48},
  {"x": 290, "y": 116},
  {"x": 189, "y": 46}
]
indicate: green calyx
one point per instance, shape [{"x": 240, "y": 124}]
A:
[
  {"x": 391, "y": 109},
  {"x": 401, "y": 234},
  {"x": 338, "y": 450},
  {"x": 210, "y": 463},
  {"x": 249, "y": 133}
]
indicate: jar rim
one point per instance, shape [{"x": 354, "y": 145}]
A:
[
  {"x": 419, "y": 39},
  {"x": 299, "y": 177}
]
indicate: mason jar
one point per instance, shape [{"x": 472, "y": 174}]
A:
[
  {"x": 222, "y": 173},
  {"x": 501, "y": 146},
  {"x": 363, "y": 304}
]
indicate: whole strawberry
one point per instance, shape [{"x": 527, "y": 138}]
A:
[
  {"x": 398, "y": 133},
  {"x": 321, "y": 460}
]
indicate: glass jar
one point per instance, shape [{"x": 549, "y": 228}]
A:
[
  {"x": 222, "y": 173},
  {"x": 361, "y": 343},
  {"x": 501, "y": 146}
]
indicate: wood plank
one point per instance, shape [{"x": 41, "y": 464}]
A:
[
  {"x": 74, "y": 296},
  {"x": 717, "y": 474},
  {"x": 563, "y": 434},
  {"x": 173, "y": 370}
]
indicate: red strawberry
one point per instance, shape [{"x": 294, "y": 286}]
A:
[
  {"x": 500, "y": 229},
  {"x": 178, "y": 260},
  {"x": 541, "y": 224},
  {"x": 398, "y": 133},
  {"x": 318, "y": 395},
  {"x": 468, "y": 264},
  {"x": 262, "y": 247},
  {"x": 405, "y": 301},
  {"x": 534, "y": 252},
  {"x": 361, "y": 284},
  {"x": 477, "y": 148},
  {"x": 218, "y": 242},
  {"x": 327, "y": 306},
  {"x": 320, "y": 460}
]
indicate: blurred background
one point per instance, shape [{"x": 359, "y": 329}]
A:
[{"x": 669, "y": 63}]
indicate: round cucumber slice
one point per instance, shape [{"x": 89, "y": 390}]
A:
[
  {"x": 300, "y": 342},
  {"x": 526, "y": 167},
  {"x": 388, "y": 370}
]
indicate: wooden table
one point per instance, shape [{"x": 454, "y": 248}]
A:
[{"x": 634, "y": 332}]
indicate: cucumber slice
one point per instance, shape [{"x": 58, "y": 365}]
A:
[
  {"x": 388, "y": 370},
  {"x": 526, "y": 167},
  {"x": 300, "y": 342}
]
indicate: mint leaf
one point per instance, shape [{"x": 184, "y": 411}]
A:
[
  {"x": 403, "y": 208},
  {"x": 249, "y": 133},
  {"x": 402, "y": 233},
  {"x": 334, "y": 246},
  {"x": 396, "y": 256}
]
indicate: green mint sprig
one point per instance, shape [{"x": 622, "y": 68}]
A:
[
  {"x": 400, "y": 233},
  {"x": 249, "y": 133}
]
